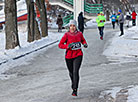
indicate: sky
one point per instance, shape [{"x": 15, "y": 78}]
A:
[{"x": 124, "y": 46}]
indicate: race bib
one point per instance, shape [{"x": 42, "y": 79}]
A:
[
  {"x": 76, "y": 46},
  {"x": 113, "y": 17}
]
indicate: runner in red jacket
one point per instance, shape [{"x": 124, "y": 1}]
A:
[
  {"x": 71, "y": 41},
  {"x": 68, "y": 40},
  {"x": 134, "y": 18}
]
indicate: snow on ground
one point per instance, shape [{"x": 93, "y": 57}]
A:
[
  {"x": 131, "y": 92},
  {"x": 21, "y": 5},
  {"x": 21, "y": 10},
  {"x": 124, "y": 46},
  {"x": 120, "y": 47},
  {"x": 124, "y": 49},
  {"x": 92, "y": 23},
  {"x": 8, "y": 55}
]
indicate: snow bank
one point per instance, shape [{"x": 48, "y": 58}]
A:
[{"x": 124, "y": 46}]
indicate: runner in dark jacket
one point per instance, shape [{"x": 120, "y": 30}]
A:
[{"x": 71, "y": 41}]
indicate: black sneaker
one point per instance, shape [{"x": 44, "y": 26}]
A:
[
  {"x": 121, "y": 34},
  {"x": 74, "y": 93}
]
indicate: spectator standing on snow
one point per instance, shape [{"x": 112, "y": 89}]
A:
[
  {"x": 81, "y": 22},
  {"x": 121, "y": 22},
  {"x": 59, "y": 23},
  {"x": 134, "y": 18}
]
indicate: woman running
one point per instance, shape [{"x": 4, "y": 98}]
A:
[{"x": 71, "y": 41}]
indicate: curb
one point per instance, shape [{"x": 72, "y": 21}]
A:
[{"x": 15, "y": 58}]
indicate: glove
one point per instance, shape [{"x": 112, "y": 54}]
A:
[
  {"x": 101, "y": 21},
  {"x": 70, "y": 45},
  {"x": 85, "y": 45}
]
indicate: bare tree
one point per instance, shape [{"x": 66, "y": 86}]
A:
[
  {"x": 11, "y": 24},
  {"x": 126, "y": 5},
  {"x": 43, "y": 17},
  {"x": 33, "y": 28}
]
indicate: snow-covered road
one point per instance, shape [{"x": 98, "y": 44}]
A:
[{"x": 45, "y": 78}]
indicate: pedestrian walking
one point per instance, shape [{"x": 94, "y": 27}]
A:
[
  {"x": 134, "y": 18},
  {"x": 121, "y": 22},
  {"x": 71, "y": 41},
  {"x": 100, "y": 22},
  {"x": 113, "y": 18},
  {"x": 59, "y": 23},
  {"x": 81, "y": 22},
  {"x": 128, "y": 18}
]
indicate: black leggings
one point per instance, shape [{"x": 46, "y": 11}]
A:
[
  {"x": 133, "y": 22},
  {"x": 101, "y": 31},
  {"x": 73, "y": 66},
  {"x": 121, "y": 28},
  {"x": 113, "y": 23}
]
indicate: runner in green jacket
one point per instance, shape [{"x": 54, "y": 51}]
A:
[{"x": 100, "y": 22}]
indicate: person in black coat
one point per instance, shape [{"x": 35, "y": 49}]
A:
[
  {"x": 59, "y": 23},
  {"x": 81, "y": 22}
]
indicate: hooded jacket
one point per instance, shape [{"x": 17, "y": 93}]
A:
[{"x": 70, "y": 38}]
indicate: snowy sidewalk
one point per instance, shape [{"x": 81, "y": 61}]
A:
[
  {"x": 46, "y": 75},
  {"x": 129, "y": 94},
  {"x": 6, "y": 56},
  {"x": 125, "y": 49},
  {"x": 124, "y": 46}
]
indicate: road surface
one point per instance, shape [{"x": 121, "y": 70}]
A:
[{"x": 46, "y": 79}]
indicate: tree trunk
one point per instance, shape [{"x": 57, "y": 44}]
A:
[
  {"x": 37, "y": 32},
  {"x": 30, "y": 10},
  {"x": 11, "y": 24},
  {"x": 43, "y": 17},
  {"x": 33, "y": 30}
]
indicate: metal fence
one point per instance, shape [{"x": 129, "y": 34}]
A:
[
  {"x": 89, "y": 8},
  {"x": 67, "y": 19}
]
